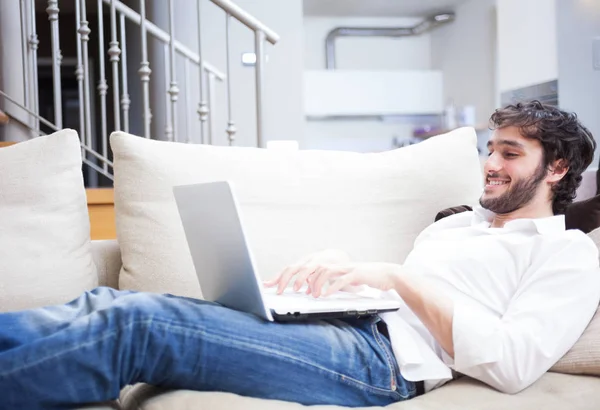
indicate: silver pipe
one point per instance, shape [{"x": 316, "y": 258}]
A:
[
  {"x": 212, "y": 112},
  {"x": 84, "y": 30},
  {"x": 33, "y": 44},
  {"x": 246, "y": 19},
  {"x": 25, "y": 53},
  {"x": 188, "y": 114},
  {"x": 231, "y": 130},
  {"x": 102, "y": 85},
  {"x": 114, "y": 51},
  {"x": 125, "y": 101},
  {"x": 173, "y": 89},
  {"x": 202, "y": 108},
  {"x": 164, "y": 37},
  {"x": 53, "y": 11},
  {"x": 259, "y": 44},
  {"x": 144, "y": 70},
  {"x": 168, "y": 106},
  {"x": 427, "y": 24},
  {"x": 79, "y": 76}
]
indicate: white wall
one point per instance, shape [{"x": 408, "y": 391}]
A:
[
  {"x": 372, "y": 53},
  {"x": 526, "y": 42},
  {"x": 355, "y": 53},
  {"x": 578, "y": 21},
  {"x": 284, "y": 116},
  {"x": 465, "y": 52}
]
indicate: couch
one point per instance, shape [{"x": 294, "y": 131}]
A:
[{"x": 372, "y": 205}]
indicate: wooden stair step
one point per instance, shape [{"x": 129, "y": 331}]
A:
[
  {"x": 101, "y": 208},
  {"x": 3, "y": 117}
]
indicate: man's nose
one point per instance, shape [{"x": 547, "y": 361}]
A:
[{"x": 493, "y": 163}]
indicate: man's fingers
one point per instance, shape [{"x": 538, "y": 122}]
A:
[
  {"x": 302, "y": 275},
  {"x": 272, "y": 282},
  {"x": 338, "y": 284},
  {"x": 286, "y": 275},
  {"x": 322, "y": 275}
]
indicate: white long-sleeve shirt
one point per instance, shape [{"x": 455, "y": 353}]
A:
[{"x": 523, "y": 294}]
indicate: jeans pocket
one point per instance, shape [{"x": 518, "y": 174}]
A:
[{"x": 404, "y": 388}]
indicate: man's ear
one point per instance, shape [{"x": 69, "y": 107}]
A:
[{"x": 557, "y": 170}]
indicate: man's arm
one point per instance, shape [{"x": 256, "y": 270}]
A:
[
  {"x": 432, "y": 307},
  {"x": 551, "y": 309}
]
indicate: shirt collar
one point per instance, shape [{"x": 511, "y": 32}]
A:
[{"x": 543, "y": 226}]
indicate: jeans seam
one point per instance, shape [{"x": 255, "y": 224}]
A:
[
  {"x": 65, "y": 351},
  {"x": 344, "y": 378},
  {"x": 388, "y": 358},
  {"x": 248, "y": 346}
]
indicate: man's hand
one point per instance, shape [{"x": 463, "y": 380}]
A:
[
  {"x": 304, "y": 268},
  {"x": 339, "y": 276},
  {"x": 432, "y": 307}
]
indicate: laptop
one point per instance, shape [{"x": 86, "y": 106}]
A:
[{"x": 226, "y": 270}]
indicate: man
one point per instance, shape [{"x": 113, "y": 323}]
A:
[{"x": 498, "y": 294}]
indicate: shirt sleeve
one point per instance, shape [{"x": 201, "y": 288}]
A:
[{"x": 555, "y": 301}]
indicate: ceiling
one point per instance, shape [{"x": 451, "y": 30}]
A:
[{"x": 377, "y": 8}]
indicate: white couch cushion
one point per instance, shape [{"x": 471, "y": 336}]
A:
[
  {"x": 551, "y": 392},
  {"x": 45, "y": 250},
  {"x": 372, "y": 205}
]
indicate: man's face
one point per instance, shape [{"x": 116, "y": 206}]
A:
[{"x": 514, "y": 171}]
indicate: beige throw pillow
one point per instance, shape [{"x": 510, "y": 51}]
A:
[
  {"x": 372, "y": 205},
  {"x": 584, "y": 356},
  {"x": 45, "y": 249}
]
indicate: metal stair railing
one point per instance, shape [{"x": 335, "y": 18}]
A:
[
  {"x": 95, "y": 138},
  {"x": 106, "y": 163}
]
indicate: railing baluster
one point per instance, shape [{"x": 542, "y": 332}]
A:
[
  {"x": 24, "y": 47},
  {"x": 102, "y": 86},
  {"x": 53, "y": 11},
  {"x": 259, "y": 50},
  {"x": 168, "y": 106},
  {"x": 188, "y": 114},
  {"x": 173, "y": 89},
  {"x": 231, "y": 130},
  {"x": 114, "y": 53},
  {"x": 33, "y": 44},
  {"x": 125, "y": 101},
  {"x": 79, "y": 76},
  {"x": 84, "y": 30},
  {"x": 212, "y": 123},
  {"x": 144, "y": 70},
  {"x": 202, "y": 108}
]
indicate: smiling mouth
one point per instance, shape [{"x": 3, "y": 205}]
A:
[{"x": 493, "y": 182}]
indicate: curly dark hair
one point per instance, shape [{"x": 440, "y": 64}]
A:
[{"x": 562, "y": 137}]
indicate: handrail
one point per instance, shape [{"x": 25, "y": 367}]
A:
[
  {"x": 248, "y": 20},
  {"x": 83, "y": 159},
  {"x": 51, "y": 126},
  {"x": 162, "y": 35}
]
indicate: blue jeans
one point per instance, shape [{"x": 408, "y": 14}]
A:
[{"x": 87, "y": 350}]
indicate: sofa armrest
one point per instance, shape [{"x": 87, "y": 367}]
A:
[{"x": 107, "y": 257}]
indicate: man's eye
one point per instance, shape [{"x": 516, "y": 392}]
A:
[
  {"x": 490, "y": 154},
  {"x": 510, "y": 155}
]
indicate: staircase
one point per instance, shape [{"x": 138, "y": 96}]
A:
[{"x": 90, "y": 88}]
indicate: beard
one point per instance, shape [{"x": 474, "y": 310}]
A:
[{"x": 517, "y": 196}]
